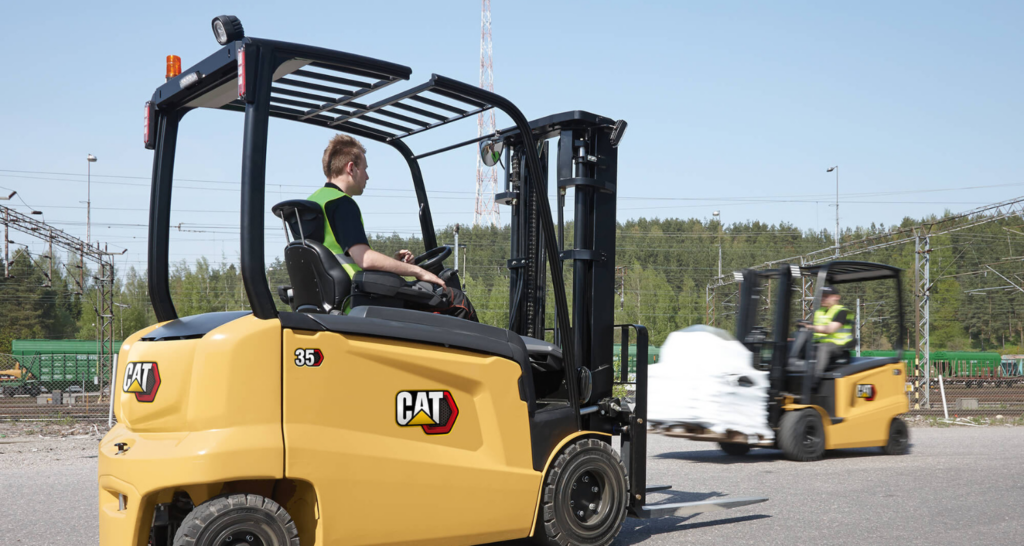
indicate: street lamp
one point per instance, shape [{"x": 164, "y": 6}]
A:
[
  {"x": 836, "y": 169},
  {"x": 90, "y": 159},
  {"x": 716, "y": 214}
]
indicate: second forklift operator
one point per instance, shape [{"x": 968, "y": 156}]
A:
[
  {"x": 345, "y": 167},
  {"x": 833, "y": 329}
]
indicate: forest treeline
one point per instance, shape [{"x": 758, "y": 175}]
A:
[{"x": 664, "y": 267}]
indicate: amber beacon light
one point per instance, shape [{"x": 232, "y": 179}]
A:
[{"x": 173, "y": 66}]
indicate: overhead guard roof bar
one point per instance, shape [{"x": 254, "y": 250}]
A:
[
  {"x": 840, "y": 272},
  {"x": 367, "y": 120},
  {"x": 444, "y": 113}
]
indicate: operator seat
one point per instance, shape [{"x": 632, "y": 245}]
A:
[{"x": 320, "y": 284}]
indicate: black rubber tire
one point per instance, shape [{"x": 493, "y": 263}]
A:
[
  {"x": 583, "y": 461},
  {"x": 899, "y": 438},
  {"x": 736, "y": 450},
  {"x": 802, "y": 436},
  {"x": 237, "y": 514}
]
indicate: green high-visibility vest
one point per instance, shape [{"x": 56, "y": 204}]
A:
[
  {"x": 323, "y": 196},
  {"x": 824, "y": 317}
]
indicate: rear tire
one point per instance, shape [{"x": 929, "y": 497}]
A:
[
  {"x": 899, "y": 438},
  {"x": 585, "y": 496},
  {"x": 802, "y": 436},
  {"x": 237, "y": 519},
  {"x": 736, "y": 450}
]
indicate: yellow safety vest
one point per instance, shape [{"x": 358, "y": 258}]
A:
[
  {"x": 322, "y": 197},
  {"x": 824, "y": 317}
]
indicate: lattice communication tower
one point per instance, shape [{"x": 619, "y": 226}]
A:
[{"x": 486, "y": 177}]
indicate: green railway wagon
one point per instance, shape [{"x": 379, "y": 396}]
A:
[
  {"x": 59, "y": 364},
  {"x": 653, "y": 356},
  {"x": 952, "y": 363}
]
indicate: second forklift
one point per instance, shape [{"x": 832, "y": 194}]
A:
[{"x": 855, "y": 402}]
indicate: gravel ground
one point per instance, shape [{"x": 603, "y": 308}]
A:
[
  {"x": 26, "y": 446},
  {"x": 960, "y": 485}
]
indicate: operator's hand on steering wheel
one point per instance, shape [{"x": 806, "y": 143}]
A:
[
  {"x": 426, "y": 276},
  {"x": 405, "y": 256}
]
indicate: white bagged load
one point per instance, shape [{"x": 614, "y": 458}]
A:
[{"x": 707, "y": 378}]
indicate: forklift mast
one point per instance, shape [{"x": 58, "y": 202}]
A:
[{"x": 587, "y": 162}]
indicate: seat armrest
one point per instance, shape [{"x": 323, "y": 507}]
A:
[{"x": 380, "y": 283}]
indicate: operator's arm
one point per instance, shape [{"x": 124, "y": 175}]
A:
[
  {"x": 369, "y": 259},
  {"x": 829, "y": 328},
  {"x": 833, "y": 326},
  {"x": 347, "y": 225}
]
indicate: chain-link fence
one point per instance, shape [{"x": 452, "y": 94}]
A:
[
  {"x": 54, "y": 387},
  {"x": 974, "y": 384}
]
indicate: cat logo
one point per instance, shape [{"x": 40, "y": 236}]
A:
[
  {"x": 867, "y": 392},
  {"x": 141, "y": 379},
  {"x": 435, "y": 411}
]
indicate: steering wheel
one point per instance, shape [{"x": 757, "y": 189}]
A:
[{"x": 431, "y": 259}]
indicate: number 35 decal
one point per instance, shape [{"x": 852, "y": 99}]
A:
[{"x": 309, "y": 357}]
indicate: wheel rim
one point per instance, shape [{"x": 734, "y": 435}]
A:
[
  {"x": 242, "y": 535},
  {"x": 586, "y": 499},
  {"x": 590, "y": 511}
]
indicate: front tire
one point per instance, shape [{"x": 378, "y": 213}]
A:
[
  {"x": 237, "y": 519},
  {"x": 899, "y": 438},
  {"x": 736, "y": 450},
  {"x": 802, "y": 436},
  {"x": 585, "y": 496}
]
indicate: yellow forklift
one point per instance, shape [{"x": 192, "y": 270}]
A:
[
  {"x": 350, "y": 418},
  {"x": 855, "y": 402}
]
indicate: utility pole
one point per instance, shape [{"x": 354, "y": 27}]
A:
[
  {"x": 124, "y": 306},
  {"x": 620, "y": 272},
  {"x": 857, "y": 333},
  {"x": 89, "y": 160},
  {"x": 717, "y": 214},
  {"x": 456, "y": 248},
  {"x": 7, "y": 221},
  {"x": 7, "y": 242},
  {"x": 836, "y": 169}
]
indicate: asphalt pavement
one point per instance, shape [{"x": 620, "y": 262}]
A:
[{"x": 958, "y": 486}]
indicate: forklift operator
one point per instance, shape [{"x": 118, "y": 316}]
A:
[
  {"x": 832, "y": 329},
  {"x": 345, "y": 167}
]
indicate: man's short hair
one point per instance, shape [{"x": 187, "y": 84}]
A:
[{"x": 341, "y": 150}]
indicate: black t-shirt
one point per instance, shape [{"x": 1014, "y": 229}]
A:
[
  {"x": 346, "y": 222},
  {"x": 842, "y": 317}
]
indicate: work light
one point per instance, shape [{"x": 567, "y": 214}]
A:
[{"x": 227, "y": 28}]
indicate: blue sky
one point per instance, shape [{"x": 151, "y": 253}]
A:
[{"x": 738, "y": 107}]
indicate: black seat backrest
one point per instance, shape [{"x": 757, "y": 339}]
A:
[
  {"x": 319, "y": 283},
  {"x": 305, "y": 218}
]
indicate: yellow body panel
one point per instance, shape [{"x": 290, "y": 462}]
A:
[
  {"x": 381, "y": 483},
  {"x": 865, "y": 422},
  {"x": 216, "y": 418}
]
